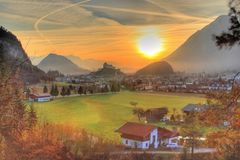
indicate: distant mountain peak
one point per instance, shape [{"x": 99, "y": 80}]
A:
[
  {"x": 201, "y": 54},
  {"x": 156, "y": 68},
  {"x": 62, "y": 64}
]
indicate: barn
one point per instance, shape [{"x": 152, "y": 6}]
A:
[{"x": 45, "y": 97}]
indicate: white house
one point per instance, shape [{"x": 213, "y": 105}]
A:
[
  {"x": 168, "y": 138},
  {"x": 40, "y": 97},
  {"x": 144, "y": 136}
]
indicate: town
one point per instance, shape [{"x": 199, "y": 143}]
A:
[{"x": 119, "y": 80}]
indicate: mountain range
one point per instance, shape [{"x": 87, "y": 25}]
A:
[
  {"x": 200, "y": 53},
  {"x": 89, "y": 64},
  {"x": 16, "y": 57},
  {"x": 62, "y": 64}
]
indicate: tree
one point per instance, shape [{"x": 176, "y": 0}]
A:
[
  {"x": 173, "y": 116},
  {"x": 13, "y": 121},
  {"x": 71, "y": 87},
  {"x": 28, "y": 91},
  {"x": 192, "y": 131},
  {"x": 63, "y": 92},
  {"x": 32, "y": 117},
  {"x": 225, "y": 107},
  {"x": 45, "y": 89},
  {"x": 52, "y": 92},
  {"x": 80, "y": 90},
  {"x": 139, "y": 112},
  {"x": 231, "y": 37},
  {"x": 105, "y": 89},
  {"x": 56, "y": 92},
  {"x": 68, "y": 91},
  {"x": 115, "y": 86}
]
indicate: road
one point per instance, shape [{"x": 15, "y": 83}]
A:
[{"x": 197, "y": 151}]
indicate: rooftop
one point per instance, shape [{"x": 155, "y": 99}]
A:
[
  {"x": 40, "y": 95},
  {"x": 136, "y": 129}
]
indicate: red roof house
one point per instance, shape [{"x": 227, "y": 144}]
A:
[
  {"x": 145, "y": 136},
  {"x": 45, "y": 97}
]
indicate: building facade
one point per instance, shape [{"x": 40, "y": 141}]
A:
[
  {"x": 144, "y": 136},
  {"x": 40, "y": 97}
]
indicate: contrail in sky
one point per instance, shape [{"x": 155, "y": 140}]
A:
[
  {"x": 36, "y": 25},
  {"x": 176, "y": 14},
  {"x": 116, "y": 9},
  {"x": 150, "y": 13},
  {"x": 154, "y": 3}
]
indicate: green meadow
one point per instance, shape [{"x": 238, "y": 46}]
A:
[{"x": 103, "y": 114}]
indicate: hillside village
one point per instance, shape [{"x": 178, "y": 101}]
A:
[
  {"x": 147, "y": 133},
  {"x": 163, "y": 79}
]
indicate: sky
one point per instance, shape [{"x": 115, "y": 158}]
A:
[{"x": 106, "y": 30}]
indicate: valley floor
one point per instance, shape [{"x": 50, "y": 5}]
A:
[{"x": 103, "y": 114}]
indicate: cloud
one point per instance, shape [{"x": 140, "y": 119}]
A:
[
  {"x": 36, "y": 24},
  {"x": 105, "y": 29}
]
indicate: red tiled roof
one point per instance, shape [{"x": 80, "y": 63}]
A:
[
  {"x": 136, "y": 131},
  {"x": 165, "y": 133},
  {"x": 44, "y": 95}
]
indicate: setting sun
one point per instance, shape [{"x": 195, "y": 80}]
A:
[{"x": 150, "y": 45}]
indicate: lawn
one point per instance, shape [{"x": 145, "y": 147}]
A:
[{"x": 103, "y": 114}]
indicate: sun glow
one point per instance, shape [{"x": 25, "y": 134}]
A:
[{"x": 150, "y": 45}]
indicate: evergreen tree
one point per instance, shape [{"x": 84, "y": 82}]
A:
[
  {"x": 19, "y": 112},
  {"x": 115, "y": 86},
  {"x": 45, "y": 89},
  {"x": 105, "y": 89},
  {"x": 71, "y": 87},
  {"x": 32, "y": 117},
  {"x": 63, "y": 92},
  {"x": 56, "y": 92},
  {"x": 68, "y": 92},
  {"x": 112, "y": 88},
  {"x": 80, "y": 90},
  {"x": 232, "y": 36},
  {"x": 52, "y": 92},
  {"x": 12, "y": 109}
]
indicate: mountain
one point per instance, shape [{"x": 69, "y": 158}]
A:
[
  {"x": 36, "y": 59},
  {"x": 157, "y": 68},
  {"x": 61, "y": 64},
  {"x": 200, "y": 53},
  {"x": 107, "y": 70},
  {"x": 15, "y": 56},
  {"x": 89, "y": 64}
]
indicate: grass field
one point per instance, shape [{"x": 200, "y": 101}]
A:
[{"x": 103, "y": 114}]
